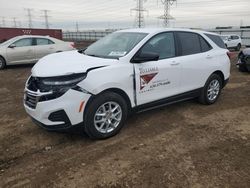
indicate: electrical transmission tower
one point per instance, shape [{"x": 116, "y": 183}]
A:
[
  {"x": 29, "y": 16},
  {"x": 139, "y": 20},
  {"x": 46, "y": 18},
  {"x": 14, "y": 22},
  {"x": 166, "y": 16}
]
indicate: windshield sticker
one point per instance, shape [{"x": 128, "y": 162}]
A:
[{"x": 117, "y": 53}]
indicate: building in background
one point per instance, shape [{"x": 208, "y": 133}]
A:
[{"x": 7, "y": 33}]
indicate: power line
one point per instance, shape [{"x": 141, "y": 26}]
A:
[
  {"x": 46, "y": 18},
  {"x": 29, "y": 16},
  {"x": 139, "y": 19}
]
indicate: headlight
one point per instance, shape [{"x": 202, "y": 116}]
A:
[
  {"x": 61, "y": 84},
  {"x": 70, "y": 80}
]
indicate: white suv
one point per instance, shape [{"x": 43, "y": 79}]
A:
[
  {"x": 127, "y": 71},
  {"x": 232, "y": 41}
]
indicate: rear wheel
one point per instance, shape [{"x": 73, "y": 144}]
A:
[
  {"x": 238, "y": 47},
  {"x": 105, "y": 116},
  {"x": 2, "y": 63},
  {"x": 242, "y": 68},
  {"x": 211, "y": 91}
]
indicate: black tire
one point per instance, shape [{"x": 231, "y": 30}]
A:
[
  {"x": 238, "y": 47},
  {"x": 242, "y": 68},
  {"x": 204, "y": 98},
  {"x": 92, "y": 109},
  {"x": 2, "y": 63}
]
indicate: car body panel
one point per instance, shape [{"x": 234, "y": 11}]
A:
[
  {"x": 142, "y": 83},
  {"x": 232, "y": 41},
  {"x": 32, "y": 53}
]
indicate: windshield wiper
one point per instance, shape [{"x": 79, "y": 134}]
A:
[
  {"x": 82, "y": 51},
  {"x": 93, "y": 55}
]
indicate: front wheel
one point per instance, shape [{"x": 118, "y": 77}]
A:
[
  {"x": 211, "y": 91},
  {"x": 105, "y": 115}
]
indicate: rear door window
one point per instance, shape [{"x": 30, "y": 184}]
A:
[
  {"x": 205, "y": 46},
  {"x": 41, "y": 41},
  {"x": 189, "y": 43},
  {"x": 217, "y": 40}
]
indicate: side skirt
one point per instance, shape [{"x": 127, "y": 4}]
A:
[{"x": 167, "y": 101}]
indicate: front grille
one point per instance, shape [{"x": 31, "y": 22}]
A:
[{"x": 31, "y": 100}]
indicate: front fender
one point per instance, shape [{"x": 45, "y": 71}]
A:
[{"x": 118, "y": 76}]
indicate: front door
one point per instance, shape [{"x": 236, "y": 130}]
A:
[
  {"x": 157, "y": 80},
  {"x": 21, "y": 51}
]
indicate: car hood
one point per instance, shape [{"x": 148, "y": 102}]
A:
[{"x": 66, "y": 63}]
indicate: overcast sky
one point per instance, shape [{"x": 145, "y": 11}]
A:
[{"x": 117, "y": 13}]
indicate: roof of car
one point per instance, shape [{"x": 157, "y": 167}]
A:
[
  {"x": 33, "y": 36},
  {"x": 159, "y": 30}
]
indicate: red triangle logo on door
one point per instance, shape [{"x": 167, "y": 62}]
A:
[{"x": 145, "y": 79}]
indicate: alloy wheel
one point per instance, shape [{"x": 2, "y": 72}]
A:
[
  {"x": 213, "y": 90},
  {"x": 107, "y": 117}
]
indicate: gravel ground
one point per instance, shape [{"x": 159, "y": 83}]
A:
[{"x": 182, "y": 145}]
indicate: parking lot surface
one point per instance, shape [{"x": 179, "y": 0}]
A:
[{"x": 182, "y": 145}]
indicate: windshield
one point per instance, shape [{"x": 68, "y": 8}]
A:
[
  {"x": 8, "y": 41},
  {"x": 115, "y": 45}
]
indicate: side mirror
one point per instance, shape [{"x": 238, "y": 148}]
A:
[
  {"x": 145, "y": 56},
  {"x": 12, "y": 46}
]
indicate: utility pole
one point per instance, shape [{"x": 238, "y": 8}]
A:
[
  {"x": 3, "y": 22},
  {"x": 46, "y": 18},
  {"x": 19, "y": 24},
  {"x": 139, "y": 20},
  {"x": 166, "y": 16},
  {"x": 29, "y": 16},
  {"x": 14, "y": 22},
  {"x": 77, "y": 27}
]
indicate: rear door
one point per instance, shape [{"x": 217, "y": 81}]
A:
[
  {"x": 44, "y": 47},
  {"x": 158, "y": 79},
  {"x": 22, "y": 51},
  {"x": 196, "y": 55}
]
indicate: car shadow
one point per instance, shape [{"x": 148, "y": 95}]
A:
[{"x": 19, "y": 66}]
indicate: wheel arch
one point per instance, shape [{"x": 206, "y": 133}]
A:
[
  {"x": 221, "y": 74},
  {"x": 3, "y": 58},
  {"x": 118, "y": 91}
]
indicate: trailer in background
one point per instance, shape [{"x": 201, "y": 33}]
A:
[
  {"x": 243, "y": 32},
  {"x": 8, "y": 33}
]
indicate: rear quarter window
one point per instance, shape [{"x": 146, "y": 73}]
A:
[{"x": 217, "y": 40}]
